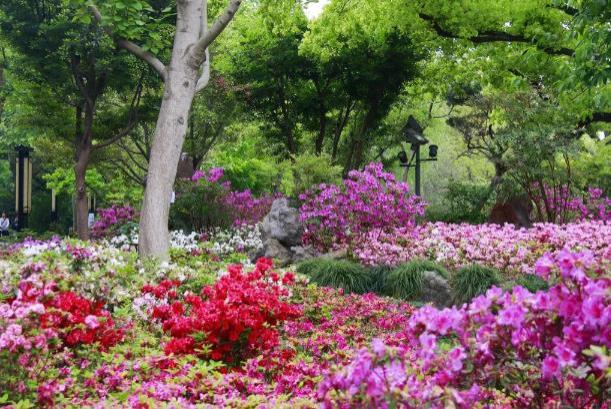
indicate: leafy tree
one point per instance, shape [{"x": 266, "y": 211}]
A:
[
  {"x": 187, "y": 73},
  {"x": 73, "y": 68}
]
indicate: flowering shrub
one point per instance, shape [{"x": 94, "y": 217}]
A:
[
  {"x": 113, "y": 221},
  {"x": 207, "y": 202},
  {"x": 559, "y": 205},
  {"x": 237, "y": 315},
  {"x": 78, "y": 320},
  {"x": 368, "y": 201},
  {"x": 241, "y": 239},
  {"x": 518, "y": 349},
  {"x": 505, "y": 248}
]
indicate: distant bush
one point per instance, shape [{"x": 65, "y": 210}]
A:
[
  {"x": 348, "y": 275},
  {"x": 405, "y": 281},
  {"x": 307, "y": 171},
  {"x": 471, "y": 281},
  {"x": 462, "y": 202}
]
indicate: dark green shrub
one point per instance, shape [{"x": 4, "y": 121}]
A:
[
  {"x": 379, "y": 277},
  {"x": 327, "y": 272},
  {"x": 405, "y": 281},
  {"x": 471, "y": 281}
]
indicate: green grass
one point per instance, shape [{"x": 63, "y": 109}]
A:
[
  {"x": 327, "y": 272},
  {"x": 471, "y": 281},
  {"x": 406, "y": 280}
]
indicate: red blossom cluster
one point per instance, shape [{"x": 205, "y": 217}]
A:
[
  {"x": 237, "y": 316},
  {"x": 80, "y": 321}
]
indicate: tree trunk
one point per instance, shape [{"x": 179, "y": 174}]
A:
[
  {"x": 170, "y": 131},
  {"x": 81, "y": 208},
  {"x": 322, "y": 129}
]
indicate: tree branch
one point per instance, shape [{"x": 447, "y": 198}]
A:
[
  {"x": 494, "y": 36},
  {"x": 133, "y": 121},
  {"x": 129, "y": 46},
  {"x": 198, "y": 51}
]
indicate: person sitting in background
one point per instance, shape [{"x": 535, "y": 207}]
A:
[
  {"x": 4, "y": 224},
  {"x": 16, "y": 223}
]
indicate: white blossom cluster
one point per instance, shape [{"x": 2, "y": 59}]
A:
[{"x": 236, "y": 240}]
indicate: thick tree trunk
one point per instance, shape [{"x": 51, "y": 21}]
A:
[
  {"x": 165, "y": 154},
  {"x": 172, "y": 123}
]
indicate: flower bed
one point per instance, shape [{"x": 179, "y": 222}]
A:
[
  {"x": 119, "y": 333},
  {"x": 510, "y": 250}
]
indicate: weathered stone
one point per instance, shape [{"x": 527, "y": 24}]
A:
[
  {"x": 301, "y": 253},
  {"x": 436, "y": 289},
  {"x": 282, "y": 224},
  {"x": 276, "y": 251}
]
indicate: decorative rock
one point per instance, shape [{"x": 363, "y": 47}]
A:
[
  {"x": 283, "y": 224},
  {"x": 301, "y": 253},
  {"x": 436, "y": 289},
  {"x": 281, "y": 232},
  {"x": 275, "y": 250}
]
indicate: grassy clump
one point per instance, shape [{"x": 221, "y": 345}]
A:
[
  {"x": 379, "y": 278},
  {"x": 531, "y": 282},
  {"x": 471, "y": 281},
  {"x": 406, "y": 280},
  {"x": 327, "y": 272}
]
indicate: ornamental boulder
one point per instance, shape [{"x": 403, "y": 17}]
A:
[{"x": 281, "y": 232}]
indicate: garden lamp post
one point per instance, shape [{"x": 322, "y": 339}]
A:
[
  {"x": 413, "y": 133},
  {"x": 23, "y": 185}
]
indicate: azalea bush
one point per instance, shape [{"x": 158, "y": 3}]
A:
[
  {"x": 40, "y": 321},
  {"x": 367, "y": 202},
  {"x": 514, "y": 349},
  {"x": 114, "y": 221},
  {"x": 237, "y": 316},
  {"x": 560, "y": 205},
  {"x": 207, "y": 202}
]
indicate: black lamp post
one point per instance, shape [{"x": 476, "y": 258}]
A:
[{"x": 413, "y": 133}]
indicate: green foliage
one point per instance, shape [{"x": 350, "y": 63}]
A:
[
  {"x": 199, "y": 206},
  {"x": 462, "y": 202},
  {"x": 379, "y": 278},
  {"x": 471, "y": 281},
  {"x": 247, "y": 166},
  {"x": 405, "y": 281},
  {"x": 350, "y": 276},
  {"x": 307, "y": 170},
  {"x": 531, "y": 282}
]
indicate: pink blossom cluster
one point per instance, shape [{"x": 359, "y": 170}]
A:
[
  {"x": 243, "y": 207},
  {"x": 247, "y": 209},
  {"x": 213, "y": 175},
  {"x": 111, "y": 219},
  {"x": 513, "y": 349},
  {"x": 560, "y": 205},
  {"x": 506, "y": 248},
  {"x": 368, "y": 202}
]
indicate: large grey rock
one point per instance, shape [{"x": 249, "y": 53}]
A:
[
  {"x": 275, "y": 250},
  {"x": 436, "y": 289},
  {"x": 282, "y": 224},
  {"x": 281, "y": 232}
]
